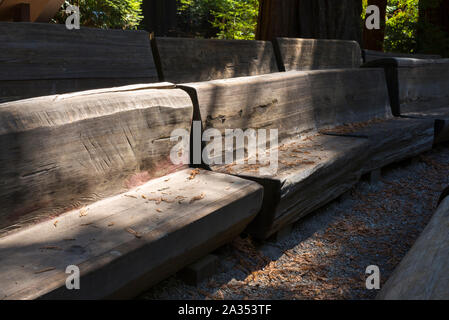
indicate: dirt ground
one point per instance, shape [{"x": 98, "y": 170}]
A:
[{"x": 326, "y": 255}]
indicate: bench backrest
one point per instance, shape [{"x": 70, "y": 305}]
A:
[
  {"x": 43, "y": 59},
  {"x": 415, "y": 85},
  {"x": 313, "y": 54},
  {"x": 61, "y": 152},
  {"x": 183, "y": 60},
  {"x": 295, "y": 102},
  {"x": 370, "y": 55}
]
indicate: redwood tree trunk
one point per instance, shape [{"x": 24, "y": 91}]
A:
[
  {"x": 159, "y": 16},
  {"x": 433, "y": 29},
  {"x": 374, "y": 39},
  {"x": 321, "y": 19}
]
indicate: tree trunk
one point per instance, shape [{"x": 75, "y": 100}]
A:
[
  {"x": 433, "y": 27},
  {"x": 321, "y": 19},
  {"x": 159, "y": 16},
  {"x": 374, "y": 39}
]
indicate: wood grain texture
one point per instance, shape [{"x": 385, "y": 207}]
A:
[
  {"x": 350, "y": 107},
  {"x": 85, "y": 59},
  {"x": 419, "y": 89},
  {"x": 311, "y": 172},
  {"x": 390, "y": 140},
  {"x": 294, "y": 102},
  {"x": 190, "y": 60},
  {"x": 371, "y": 55},
  {"x": 129, "y": 242},
  {"x": 313, "y": 54},
  {"x": 298, "y": 104},
  {"x": 422, "y": 274},
  {"x": 24, "y": 89},
  {"x": 61, "y": 152}
]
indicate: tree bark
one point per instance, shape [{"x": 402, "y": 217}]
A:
[
  {"x": 159, "y": 16},
  {"x": 320, "y": 19},
  {"x": 433, "y": 27},
  {"x": 374, "y": 39}
]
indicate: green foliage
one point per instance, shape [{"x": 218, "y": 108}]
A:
[
  {"x": 236, "y": 19},
  {"x": 406, "y": 33},
  {"x": 224, "y": 19},
  {"x": 114, "y": 14},
  {"x": 401, "y": 26}
]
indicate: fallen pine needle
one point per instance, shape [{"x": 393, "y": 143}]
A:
[
  {"x": 83, "y": 212},
  {"x": 196, "y": 198},
  {"x": 134, "y": 233},
  {"x": 51, "y": 248},
  {"x": 193, "y": 174},
  {"x": 45, "y": 270}
]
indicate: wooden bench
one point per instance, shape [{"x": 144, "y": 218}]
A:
[
  {"x": 313, "y": 54},
  {"x": 422, "y": 274},
  {"x": 124, "y": 244},
  {"x": 45, "y": 59},
  {"x": 419, "y": 89},
  {"x": 313, "y": 168},
  {"x": 370, "y": 55},
  {"x": 316, "y": 164},
  {"x": 181, "y": 60},
  {"x": 87, "y": 180}
]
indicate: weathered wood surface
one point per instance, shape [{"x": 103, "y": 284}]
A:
[
  {"x": 294, "y": 102},
  {"x": 86, "y": 58},
  {"x": 60, "y": 152},
  {"x": 311, "y": 172},
  {"x": 350, "y": 106},
  {"x": 419, "y": 89},
  {"x": 313, "y": 54},
  {"x": 390, "y": 140},
  {"x": 124, "y": 244},
  {"x": 370, "y": 55},
  {"x": 423, "y": 273},
  {"x": 189, "y": 60},
  {"x": 298, "y": 104},
  {"x": 345, "y": 113}
]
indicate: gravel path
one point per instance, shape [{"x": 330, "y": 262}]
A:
[{"x": 326, "y": 255}]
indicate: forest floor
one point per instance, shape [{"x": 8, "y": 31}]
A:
[{"x": 327, "y": 253}]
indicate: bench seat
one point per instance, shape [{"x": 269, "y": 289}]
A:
[
  {"x": 347, "y": 111},
  {"x": 390, "y": 140},
  {"x": 126, "y": 243},
  {"x": 419, "y": 88},
  {"x": 311, "y": 172}
]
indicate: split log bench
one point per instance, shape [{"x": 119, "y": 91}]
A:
[
  {"x": 181, "y": 60},
  {"x": 39, "y": 59},
  {"x": 87, "y": 180},
  {"x": 370, "y": 55},
  {"x": 422, "y": 274},
  {"x": 316, "y": 164},
  {"x": 419, "y": 89},
  {"x": 313, "y": 54}
]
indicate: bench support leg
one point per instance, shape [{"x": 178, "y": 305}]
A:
[
  {"x": 375, "y": 176},
  {"x": 282, "y": 234}
]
